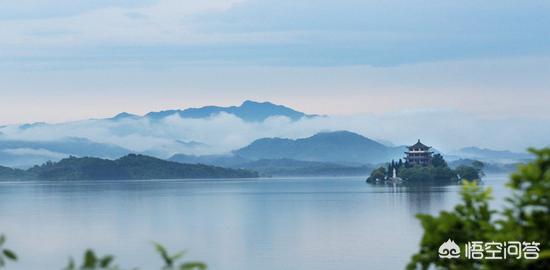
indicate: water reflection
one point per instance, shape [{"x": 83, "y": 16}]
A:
[
  {"x": 427, "y": 199},
  {"x": 269, "y": 224},
  {"x": 420, "y": 198}
]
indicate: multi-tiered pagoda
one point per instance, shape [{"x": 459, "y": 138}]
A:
[{"x": 418, "y": 154}]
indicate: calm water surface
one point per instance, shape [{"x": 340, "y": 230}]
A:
[{"x": 263, "y": 224}]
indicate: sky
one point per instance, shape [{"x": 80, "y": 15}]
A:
[{"x": 68, "y": 60}]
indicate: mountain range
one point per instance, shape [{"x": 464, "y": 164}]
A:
[
  {"x": 490, "y": 155},
  {"x": 277, "y": 167},
  {"x": 194, "y": 135},
  {"x": 250, "y": 111},
  {"x": 123, "y": 134},
  {"x": 327, "y": 153}
]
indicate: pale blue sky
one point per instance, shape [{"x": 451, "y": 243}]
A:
[{"x": 67, "y": 60}]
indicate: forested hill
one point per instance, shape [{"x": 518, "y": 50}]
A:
[
  {"x": 131, "y": 167},
  {"x": 342, "y": 147},
  {"x": 12, "y": 174}
]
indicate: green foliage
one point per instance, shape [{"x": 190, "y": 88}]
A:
[
  {"x": 468, "y": 172},
  {"x": 438, "y": 161},
  {"x": 525, "y": 218},
  {"x": 436, "y": 172},
  {"x": 166, "y": 257},
  {"x": 527, "y": 215},
  {"x": 5, "y": 254},
  {"x": 170, "y": 261},
  {"x": 91, "y": 261},
  {"x": 377, "y": 175},
  {"x": 478, "y": 166},
  {"x": 193, "y": 266},
  {"x": 469, "y": 221},
  {"x": 430, "y": 174}
]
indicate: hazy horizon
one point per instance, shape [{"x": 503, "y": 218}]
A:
[
  {"x": 456, "y": 74},
  {"x": 444, "y": 129}
]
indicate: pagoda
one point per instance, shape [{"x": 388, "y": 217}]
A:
[{"x": 418, "y": 154}]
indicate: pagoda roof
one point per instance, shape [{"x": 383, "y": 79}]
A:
[{"x": 419, "y": 145}]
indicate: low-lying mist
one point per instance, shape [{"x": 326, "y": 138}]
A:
[{"x": 222, "y": 133}]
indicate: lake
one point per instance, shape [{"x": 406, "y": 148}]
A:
[{"x": 260, "y": 224}]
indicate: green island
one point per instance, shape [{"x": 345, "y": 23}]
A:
[
  {"x": 129, "y": 167},
  {"x": 422, "y": 167}
]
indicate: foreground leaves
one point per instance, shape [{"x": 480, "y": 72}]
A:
[
  {"x": 525, "y": 218},
  {"x": 91, "y": 261},
  {"x": 5, "y": 254}
]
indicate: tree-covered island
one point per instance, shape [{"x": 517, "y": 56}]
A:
[
  {"x": 422, "y": 167},
  {"x": 129, "y": 167}
]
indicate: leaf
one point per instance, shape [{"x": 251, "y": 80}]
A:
[
  {"x": 545, "y": 254},
  {"x": 168, "y": 260},
  {"x": 106, "y": 261},
  {"x": 193, "y": 266},
  {"x": 70, "y": 265},
  {"x": 10, "y": 255},
  {"x": 2, "y": 239},
  {"x": 177, "y": 256},
  {"x": 163, "y": 253},
  {"x": 90, "y": 259}
]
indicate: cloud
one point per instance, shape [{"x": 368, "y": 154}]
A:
[
  {"x": 298, "y": 32},
  {"x": 43, "y": 9},
  {"x": 108, "y": 26},
  {"x": 389, "y": 32},
  {"x": 444, "y": 129},
  {"x": 34, "y": 152}
]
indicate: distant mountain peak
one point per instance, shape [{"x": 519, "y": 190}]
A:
[
  {"x": 32, "y": 125},
  {"x": 252, "y": 102},
  {"x": 124, "y": 115},
  {"x": 475, "y": 149},
  {"x": 249, "y": 110},
  {"x": 338, "y": 133},
  {"x": 490, "y": 154}
]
